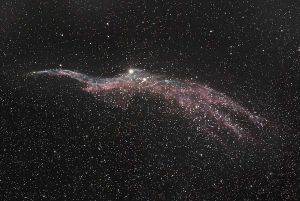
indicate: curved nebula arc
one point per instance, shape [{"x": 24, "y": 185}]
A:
[{"x": 210, "y": 110}]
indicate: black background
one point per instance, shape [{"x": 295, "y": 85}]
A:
[{"x": 60, "y": 143}]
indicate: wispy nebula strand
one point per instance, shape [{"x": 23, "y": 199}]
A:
[{"x": 209, "y": 109}]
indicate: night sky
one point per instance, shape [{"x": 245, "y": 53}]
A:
[{"x": 121, "y": 139}]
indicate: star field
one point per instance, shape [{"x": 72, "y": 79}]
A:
[{"x": 149, "y": 100}]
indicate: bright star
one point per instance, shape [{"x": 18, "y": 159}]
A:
[{"x": 131, "y": 71}]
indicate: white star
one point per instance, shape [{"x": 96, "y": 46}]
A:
[{"x": 131, "y": 71}]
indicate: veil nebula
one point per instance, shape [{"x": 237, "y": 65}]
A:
[{"x": 211, "y": 112}]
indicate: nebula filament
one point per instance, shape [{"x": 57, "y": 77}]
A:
[{"x": 212, "y": 112}]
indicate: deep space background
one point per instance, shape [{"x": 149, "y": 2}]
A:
[{"x": 59, "y": 143}]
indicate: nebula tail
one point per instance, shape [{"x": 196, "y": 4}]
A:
[{"x": 67, "y": 73}]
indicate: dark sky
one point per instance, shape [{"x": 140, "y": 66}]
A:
[{"x": 58, "y": 143}]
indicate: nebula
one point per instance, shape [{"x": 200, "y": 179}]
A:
[{"x": 212, "y": 112}]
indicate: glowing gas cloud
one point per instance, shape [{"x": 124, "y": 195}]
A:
[{"x": 212, "y": 112}]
